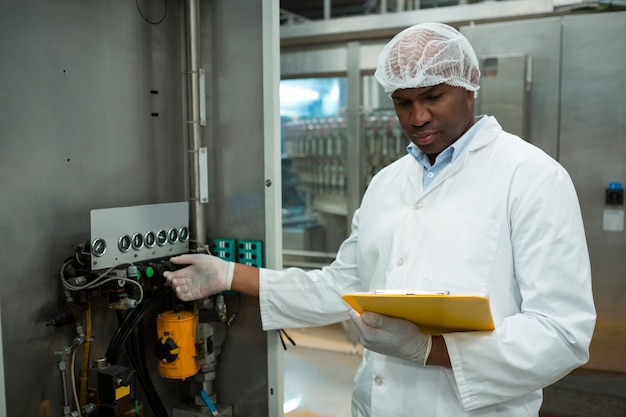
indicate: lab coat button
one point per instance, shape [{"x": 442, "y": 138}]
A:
[
  {"x": 418, "y": 205},
  {"x": 400, "y": 262},
  {"x": 378, "y": 380}
]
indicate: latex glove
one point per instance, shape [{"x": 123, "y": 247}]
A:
[
  {"x": 206, "y": 275},
  {"x": 393, "y": 337}
]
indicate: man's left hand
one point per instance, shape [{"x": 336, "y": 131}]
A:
[{"x": 393, "y": 337}]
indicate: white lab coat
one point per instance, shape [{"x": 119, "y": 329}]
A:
[{"x": 502, "y": 219}]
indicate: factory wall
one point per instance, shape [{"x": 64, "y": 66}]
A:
[{"x": 557, "y": 83}]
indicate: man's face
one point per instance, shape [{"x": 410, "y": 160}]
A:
[{"x": 434, "y": 117}]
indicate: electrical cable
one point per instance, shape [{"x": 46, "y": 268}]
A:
[
  {"x": 137, "y": 355},
  {"x": 102, "y": 279},
  {"x": 233, "y": 316},
  {"x": 146, "y": 19},
  {"x": 129, "y": 323},
  {"x": 78, "y": 259},
  {"x": 132, "y": 355},
  {"x": 282, "y": 332},
  {"x": 126, "y": 335},
  {"x": 115, "y": 346},
  {"x": 114, "y": 349},
  {"x": 126, "y": 330},
  {"x": 146, "y": 381}
]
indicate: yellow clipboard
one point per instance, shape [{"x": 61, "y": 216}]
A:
[{"x": 433, "y": 313}]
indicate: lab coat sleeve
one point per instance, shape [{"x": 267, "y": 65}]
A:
[
  {"x": 551, "y": 333},
  {"x": 297, "y": 298}
]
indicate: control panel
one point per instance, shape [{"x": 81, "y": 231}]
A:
[{"x": 125, "y": 235}]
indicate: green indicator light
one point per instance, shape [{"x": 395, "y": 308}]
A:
[
  {"x": 149, "y": 272},
  {"x": 138, "y": 275}
]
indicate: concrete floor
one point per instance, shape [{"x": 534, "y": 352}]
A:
[
  {"x": 586, "y": 393},
  {"x": 319, "y": 371}
]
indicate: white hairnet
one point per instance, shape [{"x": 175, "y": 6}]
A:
[{"x": 428, "y": 54}]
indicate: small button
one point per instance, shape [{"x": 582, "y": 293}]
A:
[
  {"x": 378, "y": 380},
  {"x": 430, "y": 175},
  {"x": 400, "y": 262},
  {"x": 418, "y": 205}
]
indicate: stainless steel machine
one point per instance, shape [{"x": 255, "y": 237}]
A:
[{"x": 111, "y": 110}]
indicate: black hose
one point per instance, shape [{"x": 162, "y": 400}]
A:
[
  {"x": 138, "y": 359},
  {"x": 129, "y": 324},
  {"x": 129, "y": 328}
]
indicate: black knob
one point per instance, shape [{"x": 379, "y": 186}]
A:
[{"x": 166, "y": 350}]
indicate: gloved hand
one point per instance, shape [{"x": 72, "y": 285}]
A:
[
  {"x": 393, "y": 337},
  {"x": 206, "y": 275}
]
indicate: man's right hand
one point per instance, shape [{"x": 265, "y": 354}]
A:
[{"x": 205, "y": 275}]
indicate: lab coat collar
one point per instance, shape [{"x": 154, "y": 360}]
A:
[
  {"x": 483, "y": 137},
  {"x": 487, "y": 133}
]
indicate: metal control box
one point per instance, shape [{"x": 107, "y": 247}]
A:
[{"x": 125, "y": 235}]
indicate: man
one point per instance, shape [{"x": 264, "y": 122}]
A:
[{"x": 470, "y": 209}]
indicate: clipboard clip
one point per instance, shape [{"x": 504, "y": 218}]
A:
[{"x": 407, "y": 292}]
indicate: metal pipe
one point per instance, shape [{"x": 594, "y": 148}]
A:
[
  {"x": 66, "y": 399},
  {"x": 197, "y": 218},
  {"x": 354, "y": 142}
]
